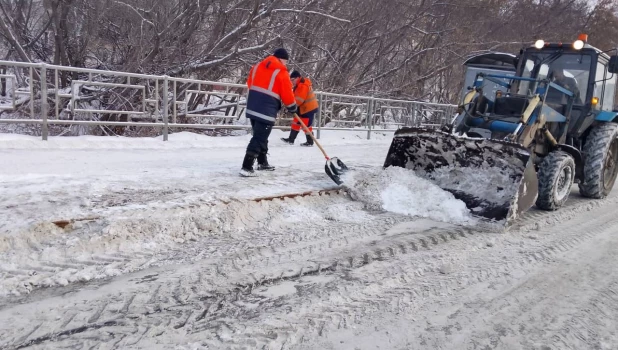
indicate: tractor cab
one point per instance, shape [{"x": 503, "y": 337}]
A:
[
  {"x": 565, "y": 69},
  {"x": 573, "y": 84},
  {"x": 496, "y": 63}
]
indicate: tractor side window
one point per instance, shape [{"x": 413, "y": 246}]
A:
[
  {"x": 525, "y": 85},
  {"x": 609, "y": 93},
  {"x": 543, "y": 72},
  {"x": 598, "y": 85}
]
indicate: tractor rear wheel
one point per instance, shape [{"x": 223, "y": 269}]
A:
[
  {"x": 556, "y": 175},
  {"x": 600, "y": 161}
]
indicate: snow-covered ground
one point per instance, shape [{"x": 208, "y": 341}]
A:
[
  {"x": 126, "y": 196},
  {"x": 82, "y": 208},
  {"x": 162, "y": 245}
]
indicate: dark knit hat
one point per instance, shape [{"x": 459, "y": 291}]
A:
[
  {"x": 281, "y": 53},
  {"x": 295, "y": 74}
]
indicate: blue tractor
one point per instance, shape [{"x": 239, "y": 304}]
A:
[{"x": 528, "y": 127}]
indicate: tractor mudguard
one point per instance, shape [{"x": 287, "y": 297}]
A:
[
  {"x": 496, "y": 179},
  {"x": 577, "y": 157}
]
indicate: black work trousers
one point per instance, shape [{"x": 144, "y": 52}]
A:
[{"x": 259, "y": 142}]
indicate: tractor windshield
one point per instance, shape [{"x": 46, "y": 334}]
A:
[{"x": 569, "y": 70}]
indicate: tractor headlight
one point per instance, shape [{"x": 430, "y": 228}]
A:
[
  {"x": 578, "y": 44},
  {"x": 539, "y": 44}
]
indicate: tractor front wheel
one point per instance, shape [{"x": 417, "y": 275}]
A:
[
  {"x": 556, "y": 175},
  {"x": 600, "y": 161}
]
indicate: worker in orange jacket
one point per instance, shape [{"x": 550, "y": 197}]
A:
[
  {"x": 308, "y": 107},
  {"x": 269, "y": 87}
]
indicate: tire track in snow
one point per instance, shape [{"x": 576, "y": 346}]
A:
[
  {"x": 496, "y": 274},
  {"x": 400, "y": 299},
  {"x": 227, "y": 306},
  {"x": 536, "y": 219},
  {"x": 525, "y": 312},
  {"x": 163, "y": 302},
  {"x": 582, "y": 329}
]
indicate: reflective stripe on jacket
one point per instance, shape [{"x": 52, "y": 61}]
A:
[
  {"x": 305, "y": 98},
  {"x": 269, "y": 85}
]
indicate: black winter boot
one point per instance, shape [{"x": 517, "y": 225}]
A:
[
  {"x": 247, "y": 166},
  {"x": 309, "y": 142},
  {"x": 263, "y": 163},
  {"x": 291, "y": 138}
]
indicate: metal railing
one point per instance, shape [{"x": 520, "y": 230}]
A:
[{"x": 92, "y": 97}]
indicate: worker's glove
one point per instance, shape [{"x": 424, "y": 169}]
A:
[{"x": 293, "y": 109}]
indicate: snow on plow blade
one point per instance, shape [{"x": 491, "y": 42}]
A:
[{"x": 496, "y": 179}]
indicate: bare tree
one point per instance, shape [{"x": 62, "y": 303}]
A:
[{"x": 409, "y": 49}]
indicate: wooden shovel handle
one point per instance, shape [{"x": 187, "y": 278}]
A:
[{"x": 311, "y": 134}]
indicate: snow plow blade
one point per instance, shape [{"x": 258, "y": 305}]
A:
[{"x": 496, "y": 179}]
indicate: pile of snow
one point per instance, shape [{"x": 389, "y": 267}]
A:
[
  {"x": 133, "y": 239},
  {"x": 400, "y": 191}
]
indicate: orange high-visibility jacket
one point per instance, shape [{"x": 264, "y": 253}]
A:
[
  {"x": 305, "y": 97},
  {"x": 269, "y": 85}
]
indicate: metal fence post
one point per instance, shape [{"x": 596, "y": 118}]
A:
[
  {"x": 165, "y": 107},
  {"x": 56, "y": 94},
  {"x": 44, "y": 126},
  {"x": 370, "y": 108},
  {"x": 31, "y": 89},
  {"x": 174, "y": 103},
  {"x": 320, "y": 107}
]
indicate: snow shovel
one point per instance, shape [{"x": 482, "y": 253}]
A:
[{"x": 334, "y": 166}]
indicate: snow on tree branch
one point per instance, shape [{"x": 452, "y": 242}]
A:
[
  {"x": 205, "y": 64},
  {"x": 314, "y": 13},
  {"x": 137, "y": 11}
]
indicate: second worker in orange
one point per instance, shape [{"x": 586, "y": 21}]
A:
[{"x": 308, "y": 107}]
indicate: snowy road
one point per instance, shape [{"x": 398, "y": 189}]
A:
[
  {"x": 229, "y": 273},
  {"x": 126, "y": 200}
]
